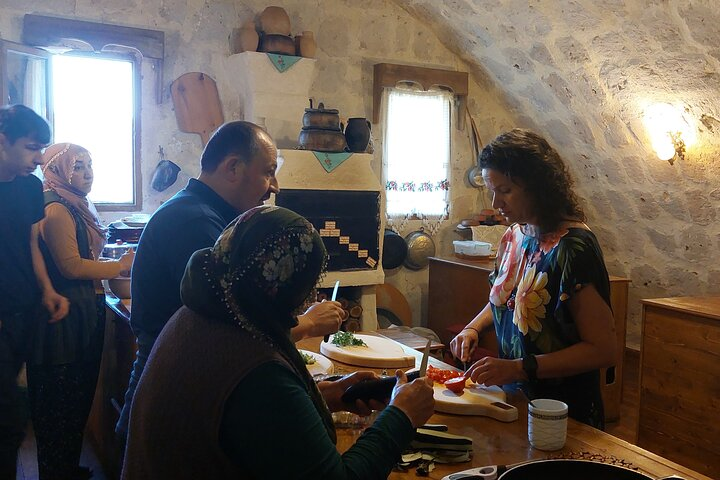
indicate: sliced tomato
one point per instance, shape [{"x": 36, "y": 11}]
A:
[
  {"x": 456, "y": 385},
  {"x": 441, "y": 376}
]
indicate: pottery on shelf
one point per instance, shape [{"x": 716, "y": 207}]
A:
[
  {"x": 357, "y": 134},
  {"x": 305, "y": 45},
  {"x": 279, "y": 44},
  {"x": 275, "y": 21},
  {"x": 244, "y": 39}
]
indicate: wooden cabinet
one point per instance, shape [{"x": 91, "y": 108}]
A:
[
  {"x": 458, "y": 289},
  {"x": 680, "y": 381}
]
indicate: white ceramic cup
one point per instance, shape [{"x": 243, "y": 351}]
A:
[{"x": 547, "y": 424}]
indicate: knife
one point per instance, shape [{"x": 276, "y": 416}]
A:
[
  {"x": 381, "y": 388},
  {"x": 332, "y": 299}
]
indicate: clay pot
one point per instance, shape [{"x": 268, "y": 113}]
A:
[
  {"x": 279, "y": 44},
  {"x": 244, "y": 39},
  {"x": 275, "y": 21},
  {"x": 357, "y": 134},
  {"x": 322, "y": 140},
  {"x": 321, "y": 117},
  {"x": 305, "y": 45}
]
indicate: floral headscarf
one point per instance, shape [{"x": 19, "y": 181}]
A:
[
  {"x": 259, "y": 275},
  {"x": 58, "y": 165}
]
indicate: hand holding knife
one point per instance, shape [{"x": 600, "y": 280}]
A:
[
  {"x": 326, "y": 338},
  {"x": 382, "y": 388}
]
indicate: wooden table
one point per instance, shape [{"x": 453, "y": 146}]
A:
[{"x": 499, "y": 443}]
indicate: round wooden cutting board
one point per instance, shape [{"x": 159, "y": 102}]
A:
[
  {"x": 475, "y": 400},
  {"x": 380, "y": 353}
]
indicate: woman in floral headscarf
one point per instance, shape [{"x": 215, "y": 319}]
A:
[
  {"x": 63, "y": 368},
  {"x": 550, "y": 297},
  {"x": 225, "y": 393}
]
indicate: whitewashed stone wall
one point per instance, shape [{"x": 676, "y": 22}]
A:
[
  {"x": 351, "y": 37},
  {"x": 580, "y": 72}
]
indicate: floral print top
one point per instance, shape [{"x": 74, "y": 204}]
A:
[{"x": 532, "y": 283}]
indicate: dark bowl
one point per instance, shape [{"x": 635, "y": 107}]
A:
[{"x": 280, "y": 44}]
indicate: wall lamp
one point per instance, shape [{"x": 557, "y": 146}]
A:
[{"x": 669, "y": 130}]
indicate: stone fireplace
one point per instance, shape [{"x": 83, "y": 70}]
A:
[{"x": 345, "y": 204}]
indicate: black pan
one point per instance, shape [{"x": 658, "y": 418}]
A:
[
  {"x": 394, "y": 250},
  {"x": 561, "y": 469}
]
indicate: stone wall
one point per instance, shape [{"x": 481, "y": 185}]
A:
[
  {"x": 581, "y": 72},
  {"x": 351, "y": 38}
]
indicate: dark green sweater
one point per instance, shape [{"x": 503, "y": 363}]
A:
[{"x": 280, "y": 414}]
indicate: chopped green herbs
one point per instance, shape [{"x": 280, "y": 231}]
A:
[
  {"x": 347, "y": 339},
  {"x": 307, "y": 358}
]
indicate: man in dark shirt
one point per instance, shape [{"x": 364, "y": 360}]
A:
[
  {"x": 237, "y": 173},
  {"x": 24, "y": 282}
]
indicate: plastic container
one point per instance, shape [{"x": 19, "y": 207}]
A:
[{"x": 472, "y": 248}]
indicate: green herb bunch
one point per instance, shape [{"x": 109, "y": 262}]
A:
[{"x": 347, "y": 339}]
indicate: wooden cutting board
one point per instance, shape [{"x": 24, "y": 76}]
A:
[
  {"x": 197, "y": 104},
  {"x": 380, "y": 353},
  {"x": 475, "y": 400}
]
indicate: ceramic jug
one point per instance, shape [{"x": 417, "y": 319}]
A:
[
  {"x": 244, "y": 39},
  {"x": 275, "y": 21},
  {"x": 305, "y": 45},
  {"x": 357, "y": 134}
]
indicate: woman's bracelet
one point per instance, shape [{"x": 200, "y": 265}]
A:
[{"x": 471, "y": 328}]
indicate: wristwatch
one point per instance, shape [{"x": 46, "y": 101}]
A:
[{"x": 529, "y": 365}]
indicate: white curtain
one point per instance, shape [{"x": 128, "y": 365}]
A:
[
  {"x": 35, "y": 85},
  {"x": 416, "y": 154}
]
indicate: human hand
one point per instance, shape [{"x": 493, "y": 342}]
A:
[
  {"x": 126, "y": 261},
  {"x": 464, "y": 343},
  {"x": 322, "y": 318},
  {"x": 415, "y": 399},
  {"x": 495, "y": 371},
  {"x": 333, "y": 391},
  {"x": 56, "y": 304}
]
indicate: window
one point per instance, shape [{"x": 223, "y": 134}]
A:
[
  {"x": 92, "y": 93},
  {"x": 94, "y": 106},
  {"x": 417, "y": 152}
]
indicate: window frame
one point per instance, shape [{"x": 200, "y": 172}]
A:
[
  {"x": 136, "y": 204},
  {"x": 6, "y": 47}
]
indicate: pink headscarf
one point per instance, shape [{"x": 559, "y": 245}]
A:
[{"x": 58, "y": 165}]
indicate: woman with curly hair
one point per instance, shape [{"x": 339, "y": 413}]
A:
[{"x": 550, "y": 296}]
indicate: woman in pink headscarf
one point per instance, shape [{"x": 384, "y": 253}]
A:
[{"x": 64, "y": 365}]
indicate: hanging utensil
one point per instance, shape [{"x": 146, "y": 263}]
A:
[
  {"x": 420, "y": 248},
  {"x": 473, "y": 175},
  {"x": 197, "y": 104}
]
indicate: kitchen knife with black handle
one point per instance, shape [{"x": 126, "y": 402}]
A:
[{"x": 381, "y": 388}]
